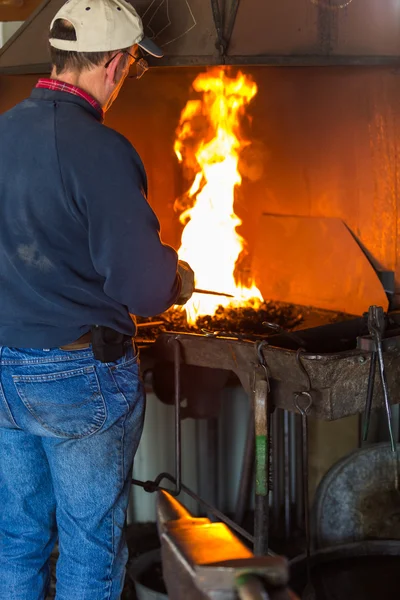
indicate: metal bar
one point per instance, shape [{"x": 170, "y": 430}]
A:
[
  {"x": 219, "y": 515},
  {"x": 304, "y": 409},
  {"x": 246, "y": 474},
  {"x": 211, "y": 293},
  {"x": 178, "y": 431},
  {"x": 286, "y": 455},
  {"x": 154, "y": 486},
  {"x": 276, "y": 499},
  {"x": 266, "y": 60},
  {"x": 292, "y": 439},
  {"x": 386, "y": 398},
  {"x": 261, "y": 520},
  {"x": 370, "y": 393},
  {"x": 213, "y": 461},
  {"x": 299, "y": 471}
]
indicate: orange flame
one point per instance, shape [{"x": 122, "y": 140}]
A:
[{"x": 210, "y": 242}]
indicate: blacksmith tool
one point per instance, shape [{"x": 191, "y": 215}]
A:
[
  {"x": 376, "y": 327},
  {"x": 303, "y": 402},
  {"x": 210, "y": 293},
  {"x": 370, "y": 392},
  {"x": 202, "y": 560}
]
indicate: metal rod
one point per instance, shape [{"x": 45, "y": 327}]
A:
[
  {"x": 299, "y": 472},
  {"x": 246, "y": 474},
  {"x": 276, "y": 503},
  {"x": 386, "y": 397},
  {"x": 219, "y": 514},
  {"x": 306, "y": 494},
  {"x": 210, "y": 293},
  {"x": 178, "y": 431},
  {"x": 262, "y": 426},
  {"x": 149, "y": 324},
  {"x": 154, "y": 486},
  {"x": 212, "y": 461},
  {"x": 304, "y": 410},
  {"x": 370, "y": 393},
  {"x": 292, "y": 433},
  {"x": 287, "y": 473}
]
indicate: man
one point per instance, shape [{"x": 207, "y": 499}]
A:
[{"x": 79, "y": 252}]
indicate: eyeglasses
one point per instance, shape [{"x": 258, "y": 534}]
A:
[{"x": 141, "y": 65}]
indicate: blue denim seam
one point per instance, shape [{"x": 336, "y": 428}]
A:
[
  {"x": 123, "y": 427},
  {"x": 59, "y": 433},
  {"x": 47, "y": 360},
  {"x": 54, "y": 376},
  {"x": 113, "y": 556}
]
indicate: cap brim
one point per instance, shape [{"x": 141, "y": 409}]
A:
[{"x": 149, "y": 46}]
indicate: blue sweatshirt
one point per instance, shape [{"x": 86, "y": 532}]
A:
[{"x": 79, "y": 243}]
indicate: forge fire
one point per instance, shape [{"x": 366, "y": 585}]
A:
[{"x": 208, "y": 145}]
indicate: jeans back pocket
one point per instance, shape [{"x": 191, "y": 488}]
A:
[{"x": 68, "y": 404}]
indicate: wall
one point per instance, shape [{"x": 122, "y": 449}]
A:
[
  {"x": 7, "y": 30},
  {"x": 325, "y": 143}
]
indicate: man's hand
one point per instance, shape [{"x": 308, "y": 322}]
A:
[{"x": 187, "y": 277}]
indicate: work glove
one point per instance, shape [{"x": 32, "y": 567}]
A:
[{"x": 187, "y": 276}]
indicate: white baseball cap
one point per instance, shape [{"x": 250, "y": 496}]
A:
[{"x": 103, "y": 26}]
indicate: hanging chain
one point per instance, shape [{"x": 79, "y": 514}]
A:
[{"x": 325, "y": 4}]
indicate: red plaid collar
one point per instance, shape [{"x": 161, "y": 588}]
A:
[{"x": 61, "y": 86}]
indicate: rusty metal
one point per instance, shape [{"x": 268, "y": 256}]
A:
[
  {"x": 203, "y": 560},
  {"x": 339, "y": 377}
]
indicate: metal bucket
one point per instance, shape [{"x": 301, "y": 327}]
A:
[
  {"x": 136, "y": 570},
  {"x": 361, "y": 571}
]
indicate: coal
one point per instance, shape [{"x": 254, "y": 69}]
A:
[{"x": 243, "y": 322}]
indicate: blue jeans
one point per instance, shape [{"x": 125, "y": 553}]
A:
[{"x": 69, "y": 428}]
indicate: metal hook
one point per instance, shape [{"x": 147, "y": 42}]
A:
[{"x": 303, "y": 410}]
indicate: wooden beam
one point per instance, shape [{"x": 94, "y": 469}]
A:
[{"x": 17, "y": 10}]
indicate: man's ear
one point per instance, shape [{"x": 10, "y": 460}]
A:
[{"x": 114, "y": 69}]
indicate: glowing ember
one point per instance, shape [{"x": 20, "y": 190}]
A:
[{"x": 210, "y": 242}]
